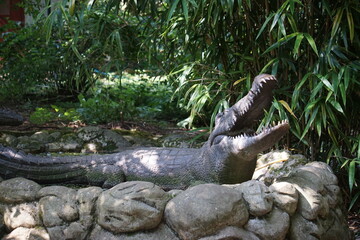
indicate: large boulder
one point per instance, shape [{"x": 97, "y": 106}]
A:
[
  {"x": 22, "y": 215},
  {"x": 257, "y": 197},
  {"x": 131, "y": 206},
  {"x": 18, "y": 190},
  {"x": 57, "y": 205},
  {"x": 204, "y": 210}
]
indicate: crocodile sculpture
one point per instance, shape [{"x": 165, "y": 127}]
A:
[{"x": 229, "y": 155}]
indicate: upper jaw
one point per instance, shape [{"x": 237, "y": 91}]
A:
[{"x": 241, "y": 116}]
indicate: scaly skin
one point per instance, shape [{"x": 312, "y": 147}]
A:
[{"x": 229, "y": 156}]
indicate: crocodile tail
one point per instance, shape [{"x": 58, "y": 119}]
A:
[{"x": 14, "y": 163}]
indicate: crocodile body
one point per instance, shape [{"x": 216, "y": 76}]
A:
[{"x": 229, "y": 155}]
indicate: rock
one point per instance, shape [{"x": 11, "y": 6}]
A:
[
  {"x": 30, "y": 145},
  {"x": 141, "y": 141},
  {"x": 174, "y": 192},
  {"x": 257, "y": 196},
  {"x": 17, "y": 190},
  {"x": 86, "y": 198},
  {"x": 104, "y": 138},
  {"x": 182, "y": 139},
  {"x": 276, "y": 164},
  {"x": 2, "y": 225},
  {"x": 9, "y": 140},
  {"x": 20, "y": 233},
  {"x": 131, "y": 206},
  {"x": 232, "y": 233},
  {"x": 54, "y": 147},
  {"x": 71, "y": 212},
  {"x": 275, "y": 225},
  {"x": 42, "y": 137},
  {"x": 303, "y": 229},
  {"x": 176, "y": 140},
  {"x": 333, "y": 195},
  {"x": 321, "y": 170},
  {"x": 89, "y": 133},
  {"x": 22, "y": 215},
  {"x": 55, "y": 136},
  {"x": 57, "y": 205},
  {"x": 113, "y": 138},
  {"x": 311, "y": 190},
  {"x": 90, "y": 148},
  {"x": 74, "y": 231},
  {"x": 71, "y": 143},
  {"x": 162, "y": 232},
  {"x": 204, "y": 210},
  {"x": 285, "y": 196}
]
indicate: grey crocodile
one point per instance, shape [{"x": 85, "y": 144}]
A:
[
  {"x": 229, "y": 155},
  {"x": 10, "y": 118}
]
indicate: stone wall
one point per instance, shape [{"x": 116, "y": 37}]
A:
[{"x": 303, "y": 204}]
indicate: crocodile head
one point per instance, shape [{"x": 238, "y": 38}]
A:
[{"x": 233, "y": 137}]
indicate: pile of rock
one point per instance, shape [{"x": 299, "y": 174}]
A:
[
  {"x": 303, "y": 204},
  {"x": 86, "y": 139}
]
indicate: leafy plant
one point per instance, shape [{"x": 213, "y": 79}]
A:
[{"x": 42, "y": 115}]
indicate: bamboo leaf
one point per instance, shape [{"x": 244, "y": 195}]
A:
[
  {"x": 311, "y": 105},
  {"x": 332, "y": 116},
  {"x": 312, "y": 43},
  {"x": 278, "y": 14},
  {"x": 316, "y": 90},
  {"x": 337, "y": 106},
  {"x": 281, "y": 41},
  {"x": 172, "y": 10},
  {"x": 343, "y": 93},
  {"x": 310, "y": 122},
  {"x": 281, "y": 25},
  {"x": 318, "y": 127},
  {"x": 351, "y": 25},
  {"x": 239, "y": 81},
  {"x": 353, "y": 200},
  {"x": 72, "y": 7},
  {"x": 351, "y": 174},
  {"x": 287, "y": 107},
  {"x": 298, "y": 40},
  {"x": 185, "y": 8},
  {"x": 275, "y": 20},
  {"x": 332, "y": 135},
  {"x": 292, "y": 22},
  {"x": 326, "y": 82},
  {"x": 270, "y": 63},
  {"x": 77, "y": 53},
  {"x": 264, "y": 25},
  {"x": 336, "y": 22}
]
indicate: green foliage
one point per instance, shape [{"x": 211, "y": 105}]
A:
[
  {"x": 25, "y": 62},
  {"x": 134, "y": 97},
  {"x": 43, "y": 115},
  {"x": 143, "y": 97},
  {"x": 61, "y": 51}
]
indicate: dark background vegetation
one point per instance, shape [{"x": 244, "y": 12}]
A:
[{"x": 208, "y": 51}]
